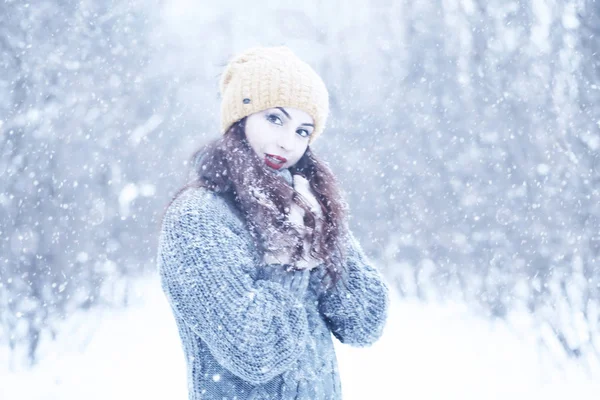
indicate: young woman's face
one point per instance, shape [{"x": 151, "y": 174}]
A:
[{"x": 279, "y": 135}]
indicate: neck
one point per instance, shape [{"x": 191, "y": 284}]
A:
[{"x": 285, "y": 173}]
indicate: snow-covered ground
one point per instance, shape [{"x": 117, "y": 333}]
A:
[{"x": 428, "y": 351}]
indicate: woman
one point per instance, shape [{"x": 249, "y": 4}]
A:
[{"x": 255, "y": 255}]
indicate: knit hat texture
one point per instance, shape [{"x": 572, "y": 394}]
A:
[{"x": 266, "y": 77}]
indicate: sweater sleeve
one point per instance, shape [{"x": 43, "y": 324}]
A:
[
  {"x": 256, "y": 329},
  {"x": 356, "y": 308}
]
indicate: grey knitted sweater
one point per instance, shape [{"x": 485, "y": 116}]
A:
[{"x": 249, "y": 330}]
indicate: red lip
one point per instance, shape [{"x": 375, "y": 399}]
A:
[
  {"x": 272, "y": 163},
  {"x": 282, "y": 159}
]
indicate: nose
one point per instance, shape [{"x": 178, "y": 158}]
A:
[{"x": 285, "y": 140}]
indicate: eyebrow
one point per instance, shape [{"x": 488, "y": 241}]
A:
[{"x": 290, "y": 118}]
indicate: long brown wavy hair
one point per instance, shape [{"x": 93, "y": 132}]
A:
[{"x": 230, "y": 167}]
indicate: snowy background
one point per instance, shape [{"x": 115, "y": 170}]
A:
[
  {"x": 428, "y": 351},
  {"x": 464, "y": 133}
]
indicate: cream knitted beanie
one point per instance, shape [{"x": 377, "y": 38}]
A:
[{"x": 266, "y": 77}]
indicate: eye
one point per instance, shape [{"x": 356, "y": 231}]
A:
[
  {"x": 274, "y": 118},
  {"x": 307, "y": 133}
]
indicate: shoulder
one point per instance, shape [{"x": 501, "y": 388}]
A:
[
  {"x": 200, "y": 221},
  {"x": 201, "y": 205}
]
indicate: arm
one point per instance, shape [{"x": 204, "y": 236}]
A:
[
  {"x": 255, "y": 329},
  {"x": 356, "y": 308}
]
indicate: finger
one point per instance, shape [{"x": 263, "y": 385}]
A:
[{"x": 299, "y": 179}]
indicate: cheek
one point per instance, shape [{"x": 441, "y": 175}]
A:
[
  {"x": 299, "y": 152},
  {"x": 265, "y": 139},
  {"x": 262, "y": 132},
  {"x": 256, "y": 135}
]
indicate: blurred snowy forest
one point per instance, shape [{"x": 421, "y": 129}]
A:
[{"x": 464, "y": 132}]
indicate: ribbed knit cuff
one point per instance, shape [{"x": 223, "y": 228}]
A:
[{"x": 294, "y": 281}]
